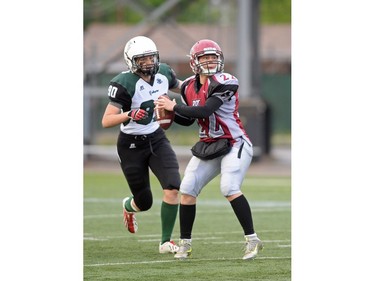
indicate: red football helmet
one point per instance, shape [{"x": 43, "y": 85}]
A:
[{"x": 206, "y": 47}]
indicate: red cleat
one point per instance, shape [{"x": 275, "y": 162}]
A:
[{"x": 129, "y": 219}]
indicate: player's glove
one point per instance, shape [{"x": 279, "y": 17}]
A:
[{"x": 138, "y": 114}]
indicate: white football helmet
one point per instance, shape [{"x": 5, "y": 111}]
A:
[
  {"x": 138, "y": 47},
  {"x": 206, "y": 47}
]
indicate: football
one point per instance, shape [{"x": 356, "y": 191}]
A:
[{"x": 164, "y": 117}]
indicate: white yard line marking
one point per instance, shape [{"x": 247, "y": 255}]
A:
[
  {"x": 152, "y": 214},
  {"x": 94, "y": 239},
  {"x": 156, "y": 237},
  {"x": 195, "y": 238},
  {"x": 188, "y": 260},
  {"x": 236, "y": 242},
  {"x": 102, "y": 216},
  {"x": 203, "y": 202}
]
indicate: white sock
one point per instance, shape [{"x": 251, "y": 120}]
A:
[{"x": 254, "y": 235}]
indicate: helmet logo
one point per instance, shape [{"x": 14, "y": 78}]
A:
[
  {"x": 128, "y": 46},
  {"x": 209, "y": 49}
]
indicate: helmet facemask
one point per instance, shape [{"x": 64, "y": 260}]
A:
[
  {"x": 206, "y": 68},
  {"x": 146, "y": 69}
]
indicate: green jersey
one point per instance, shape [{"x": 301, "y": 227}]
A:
[{"x": 129, "y": 91}]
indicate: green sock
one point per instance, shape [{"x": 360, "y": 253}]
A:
[
  {"x": 128, "y": 205},
  {"x": 168, "y": 218}
]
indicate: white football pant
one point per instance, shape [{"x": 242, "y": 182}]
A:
[{"x": 233, "y": 170}]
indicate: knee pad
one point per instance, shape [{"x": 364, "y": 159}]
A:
[
  {"x": 229, "y": 189},
  {"x": 143, "y": 199}
]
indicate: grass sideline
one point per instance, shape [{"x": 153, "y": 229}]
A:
[{"x": 112, "y": 253}]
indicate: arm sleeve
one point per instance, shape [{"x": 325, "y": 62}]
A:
[
  {"x": 182, "y": 120},
  {"x": 212, "y": 104}
]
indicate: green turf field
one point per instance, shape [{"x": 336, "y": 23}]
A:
[{"x": 112, "y": 253}]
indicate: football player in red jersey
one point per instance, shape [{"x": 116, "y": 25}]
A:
[
  {"x": 211, "y": 98},
  {"x": 142, "y": 145}
]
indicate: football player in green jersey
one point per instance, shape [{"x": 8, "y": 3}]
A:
[{"x": 142, "y": 143}]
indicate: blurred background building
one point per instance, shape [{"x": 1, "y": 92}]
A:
[{"x": 255, "y": 36}]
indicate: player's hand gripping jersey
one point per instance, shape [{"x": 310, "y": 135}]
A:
[{"x": 128, "y": 91}]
